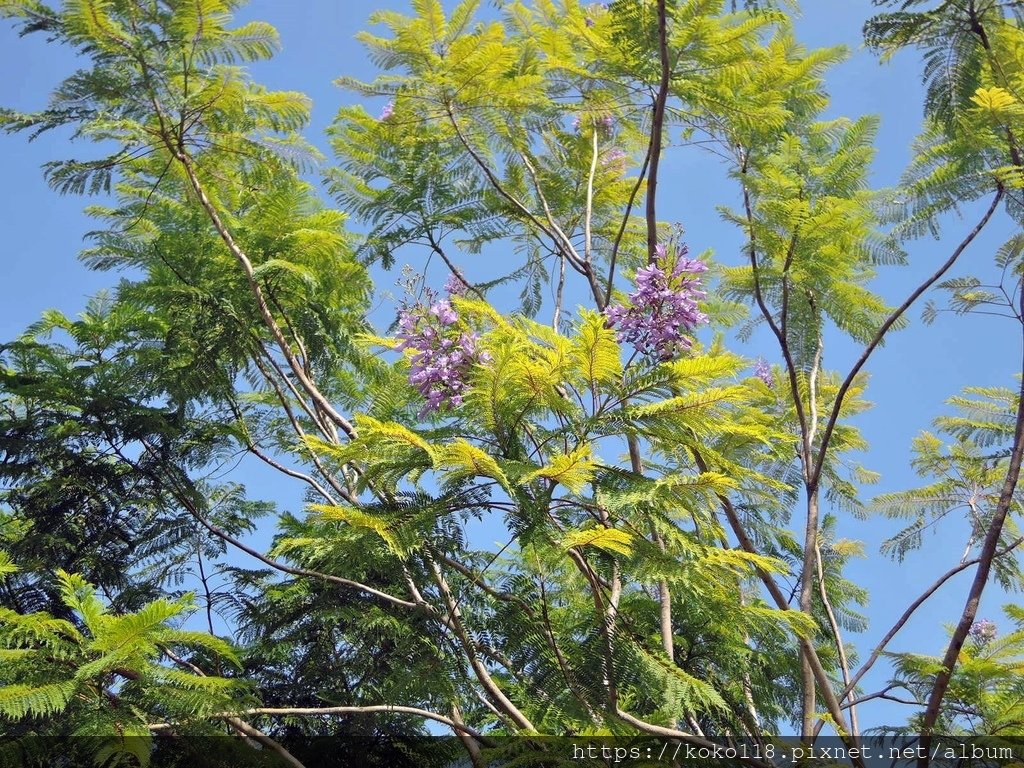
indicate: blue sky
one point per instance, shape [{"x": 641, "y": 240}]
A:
[{"x": 911, "y": 376}]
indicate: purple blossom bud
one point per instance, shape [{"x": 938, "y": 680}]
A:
[
  {"x": 763, "y": 371},
  {"x": 443, "y": 311},
  {"x": 608, "y": 122},
  {"x": 984, "y": 631},
  {"x": 577, "y": 122},
  {"x": 455, "y": 285},
  {"x": 661, "y": 312},
  {"x": 615, "y": 157},
  {"x": 588, "y": 21},
  {"x": 388, "y": 111},
  {"x": 689, "y": 266}
]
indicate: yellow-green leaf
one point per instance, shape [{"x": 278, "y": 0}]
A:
[
  {"x": 993, "y": 99},
  {"x": 462, "y": 459},
  {"x": 371, "y": 430},
  {"x": 595, "y": 353},
  {"x": 6, "y": 566},
  {"x": 608, "y": 539},
  {"x": 573, "y": 470},
  {"x": 358, "y": 519}
]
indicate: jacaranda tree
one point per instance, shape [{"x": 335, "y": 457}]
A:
[{"x": 671, "y": 565}]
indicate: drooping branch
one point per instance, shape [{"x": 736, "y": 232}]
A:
[
  {"x": 563, "y": 244},
  {"x": 295, "y": 571},
  {"x": 570, "y": 678},
  {"x": 605, "y": 620},
  {"x": 776, "y": 328},
  {"x": 436, "y": 247},
  {"x": 270, "y": 461},
  {"x": 562, "y": 240},
  {"x": 345, "y": 493},
  {"x": 184, "y": 498}
]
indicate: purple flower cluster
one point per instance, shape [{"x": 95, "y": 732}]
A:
[
  {"x": 663, "y": 310},
  {"x": 442, "y": 354},
  {"x": 388, "y": 111},
  {"x": 615, "y": 158},
  {"x": 455, "y": 285},
  {"x": 984, "y": 631},
  {"x": 763, "y": 371}
]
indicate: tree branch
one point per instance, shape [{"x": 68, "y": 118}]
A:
[
  {"x": 683, "y": 736},
  {"x": 880, "y": 334},
  {"x": 240, "y": 726},
  {"x": 657, "y": 124},
  {"x": 622, "y": 227},
  {"x": 261, "y": 302},
  {"x": 321, "y": 711},
  {"x": 986, "y": 557},
  {"x": 912, "y": 608},
  {"x": 821, "y": 677}
]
